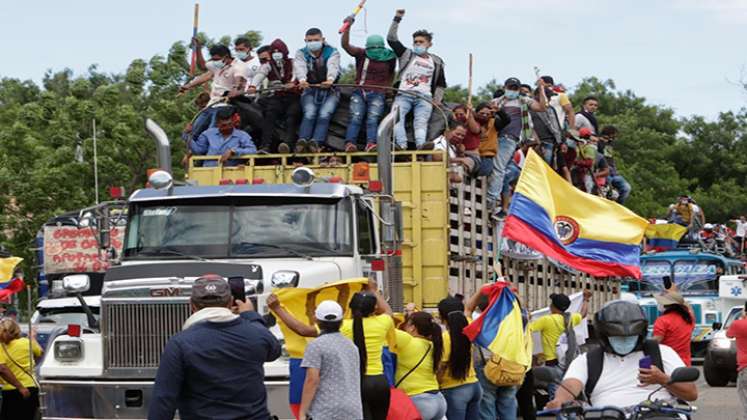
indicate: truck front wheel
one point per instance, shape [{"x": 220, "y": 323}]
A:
[{"x": 714, "y": 376}]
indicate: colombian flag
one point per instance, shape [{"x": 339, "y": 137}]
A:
[
  {"x": 501, "y": 328},
  {"x": 8, "y": 284},
  {"x": 663, "y": 237},
  {"x": 301, "y": 303},
  {"x": 586, "y": 232}
]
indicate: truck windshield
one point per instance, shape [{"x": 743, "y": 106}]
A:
[
  {"x": 692, "y": 276},
  {"x": 732, "y": 316},
  {"x": 260, "y": 229}
]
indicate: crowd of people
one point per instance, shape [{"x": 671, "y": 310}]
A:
[
  {"x": 419, "y": 364},
  {"x": 300, "y": 94},
  {"x": 710, "y": 237}
]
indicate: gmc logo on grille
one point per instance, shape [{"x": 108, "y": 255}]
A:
[{"x": 165, "y": 292}]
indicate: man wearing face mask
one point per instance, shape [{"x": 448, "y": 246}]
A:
[
  {"x": 374, "y": 66},
  {"x": 317, "y": 63},
  {"x": 283, "y": 99},
  {"x": 519, "y": 129},
  {"x": 610, "y": 375},
  {"x": 421, "y": 81},
  {"x": 243, "y": 51},
  {"x": 227, "y": 75}
]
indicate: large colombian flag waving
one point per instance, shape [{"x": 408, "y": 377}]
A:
[
  {"x": 9, "y": 284},
  {"x": 589, "y": 233}
]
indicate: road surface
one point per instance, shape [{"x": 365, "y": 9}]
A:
[{"x": 717, "y": 403}]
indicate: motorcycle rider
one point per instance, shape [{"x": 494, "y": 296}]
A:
[{"x": 622, "y": 327}]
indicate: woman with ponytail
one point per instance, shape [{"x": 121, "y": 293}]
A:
[
  {"x": 369, "y": 329},
  {"x": 457, "y": 377},
  {"x": 419, "y": 352}
]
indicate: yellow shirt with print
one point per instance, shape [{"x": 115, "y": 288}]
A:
[
  {"x": 18, "y": 350},
  {"x": 376, "y": 330},
  {"x": 410, "y": 351},
  {"x": 551, "y": 327},
  {"x": 445, "y": 379}
]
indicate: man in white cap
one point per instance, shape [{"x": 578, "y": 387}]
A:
[{"x": 332, "y": 389}]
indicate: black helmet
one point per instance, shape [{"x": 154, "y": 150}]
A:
[{"x": 620, "y": 318}]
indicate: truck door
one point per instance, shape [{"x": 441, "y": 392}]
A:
[{"x": 367, "y": 237}]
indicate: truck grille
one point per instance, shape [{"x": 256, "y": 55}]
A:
[{"x": 136, "y": 333}]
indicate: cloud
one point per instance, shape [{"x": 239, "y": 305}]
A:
[
  {"x": 729, "y": 11},
  {"x": 480, "y": 12}
]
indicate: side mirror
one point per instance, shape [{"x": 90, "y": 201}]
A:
[
  {"x": 716, "y": 326},
  {"x": 86, "y": 220},
  {"x": 684, "y": 374},
  {"x": 76, "y": 283}
]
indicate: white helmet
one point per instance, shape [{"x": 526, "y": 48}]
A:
[{"x": 708, "y": 226}]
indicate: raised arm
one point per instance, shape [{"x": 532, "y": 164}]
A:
[
  {"x": 585, "y": 304},
  {"x": 541, "y": 105},
  {"x": 197, "y": 81},
  {"x": 345, "y": 42},
  {"x": 391, "y": 36},
  {"x": 295, "y": 325},
  {"x": 382, "y": 306}
]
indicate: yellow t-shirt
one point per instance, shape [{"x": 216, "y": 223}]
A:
[
  {"x": 551, "y": 327},
  {"x": 18, "y": 350},
  {"x": 445, "y": 380},
  {"x": 563, "y": 99},
  {"x": 410, "y": 351},
  {"x": 376, "y": 329}
]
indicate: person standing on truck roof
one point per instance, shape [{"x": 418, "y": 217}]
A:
[
  {"x": 741, "y": 232},
  {"x": 224, "y": 140},
  {"x": 318, "y": 63},
  {"x": 421, "y": 80},
  {"x": 374, "y": 67},
  {"x": 552, "y": 326},
  {"x": 227, "y": 75},
  {"x": 332, "y": 386},
  {"x": 675, "y": 326},
  {"x": 283, "y": 102},
  {"x": 371, "y": 329},
  {"x": 562, "y": 105},
  {"x": 520, "y": 127},
  {"x": 213, "y": 368},
  {"x": 586, "y": 118},
  {"x": 738, "y": 330}
]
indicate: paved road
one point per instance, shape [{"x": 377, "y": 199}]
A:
[{"x": 717, "y": 403}]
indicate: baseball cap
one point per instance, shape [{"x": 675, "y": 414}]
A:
[
  {"x": 560, "y": 301},
  {"x": 329, "y": 310},
  {"x": 669, "y": 298},
  {"x": 548, "y": 79},
  {"x": 512, "y": 81},
  {"x": 211, "y": 289}
]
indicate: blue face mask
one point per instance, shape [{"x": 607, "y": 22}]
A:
[
  {"x": 419, "y": 49},
  {"x": 314, "y": 45},
  {"x": 623, "y": 345},
  {"x": 512, "y": 94},
  {"x": 242, "y": 55}
]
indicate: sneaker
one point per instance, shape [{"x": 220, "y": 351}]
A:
[
  {"x": 370, "y": 147},
  {"x": 398, "y": 148},
  {"x": 312, "y": 147},
  {"x": 301, "y": 146},
  {"x": 283, "y": 148},
  {"x": 429, "y": 145},
  {"x": 350, "y": 148},
  {"x": 263, "y": 151}
]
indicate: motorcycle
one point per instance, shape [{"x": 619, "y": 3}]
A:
[{"x": 646, "y": 410}]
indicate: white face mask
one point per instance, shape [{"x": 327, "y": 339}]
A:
[
  {"x": 623, "y": 345},
  {"x": 277, "y": 56},
  {"x": 213, "y": 65}
]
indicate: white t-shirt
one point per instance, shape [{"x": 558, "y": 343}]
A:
[
  {"x": 251, "y": 68},
  {"x": 227, "y": 79},
  {"x": 418, "y": 76},
  {"x": 741, "y": 228},
  {"x": 618, "y": 384},
  {"x": 441, "y": 143}
]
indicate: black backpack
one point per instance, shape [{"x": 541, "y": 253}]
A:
[{"x": 595, "y": 363}]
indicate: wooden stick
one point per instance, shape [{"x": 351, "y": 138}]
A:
[
  {"x": 193, "y": 64},
  {"x": 469, "y": 83}
]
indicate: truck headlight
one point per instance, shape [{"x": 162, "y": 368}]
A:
[
  {"x": 281, "y": 279},
  {"x": 721, "y": 343},
  {"x": 68, "y": 350}
]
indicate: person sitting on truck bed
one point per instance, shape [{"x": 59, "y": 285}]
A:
[
  {"x": 421, "y": 81},
  {"x": 317, "y": 63},
  {"x": 213, "y": 368},
  {"x": 374, "y": 66},
  {"x": 282, "y": 103},
  {"x": 224, "y": 140}
]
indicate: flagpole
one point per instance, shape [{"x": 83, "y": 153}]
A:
[{"x": 95, "y": 164}]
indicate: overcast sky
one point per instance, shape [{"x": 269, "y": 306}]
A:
[{"x": 686, "y": 54}]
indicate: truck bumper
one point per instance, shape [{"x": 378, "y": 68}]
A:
[{"x": 86, "y": 399}]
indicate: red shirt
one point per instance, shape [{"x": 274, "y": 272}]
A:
[
  {"x": 677, "y": 334},
  {"x": 738, "y": 330}
]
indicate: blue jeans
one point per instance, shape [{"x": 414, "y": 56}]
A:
[
  {"x": 205, "y": 119},
  {"x": 506, "y": 149},
  {"x": 369, "y": 105},
  {"x": 622, "y": 187},
  {"x": 547, "y": 152},
  {"x": 512, "y": 174},
  {"x": 486, "y": 166},
  {"x": 422, "y": 109},
  {"x": 430, "y": 406},
  {"x": 319, "y": 106},
  {"x": 497, "y": 402},
  {"x": 463, "y": 401}
]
